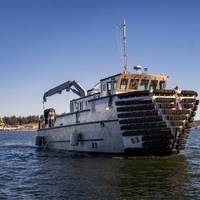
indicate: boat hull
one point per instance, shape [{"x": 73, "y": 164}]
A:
[{"x": 134, "y": 123}]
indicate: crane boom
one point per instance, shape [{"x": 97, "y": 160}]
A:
[{"x": 78, "y": 89}]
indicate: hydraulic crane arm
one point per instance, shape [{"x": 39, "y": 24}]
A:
[{"x": 77, "y": 89}]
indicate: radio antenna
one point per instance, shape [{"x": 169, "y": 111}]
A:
[{"x": 125, "y": 52}]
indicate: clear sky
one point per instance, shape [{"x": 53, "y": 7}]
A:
[{"x": 46, "y": 42}]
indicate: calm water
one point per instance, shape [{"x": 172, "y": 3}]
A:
[{"x": 26, "y": 173}]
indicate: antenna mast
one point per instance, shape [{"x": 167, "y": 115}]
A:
[{"x": 123, "y": 28}]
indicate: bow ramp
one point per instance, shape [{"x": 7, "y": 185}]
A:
[{"x": 156, "y": 123}]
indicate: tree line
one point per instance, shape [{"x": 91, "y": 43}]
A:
[{"x": 13, "y": 120}]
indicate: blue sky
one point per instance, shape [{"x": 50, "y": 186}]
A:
[{"x": 46, "y": 42}]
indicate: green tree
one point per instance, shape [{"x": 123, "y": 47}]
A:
[
  {"x": 13, "y": 120},
  {"x": 1, "y": 122}
]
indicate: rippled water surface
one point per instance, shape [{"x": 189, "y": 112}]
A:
[{"x": 27, "y": 173}]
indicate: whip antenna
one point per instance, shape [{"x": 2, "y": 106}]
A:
[{"x": 125, "y": 52}]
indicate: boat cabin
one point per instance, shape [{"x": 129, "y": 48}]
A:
[
  {"x": 129, "y": 82},
  {"x": 120, "y": 83},
  {"x": 137, "y": 82}
]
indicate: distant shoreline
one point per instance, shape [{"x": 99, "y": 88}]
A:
[{"x": 24, "y": 128}]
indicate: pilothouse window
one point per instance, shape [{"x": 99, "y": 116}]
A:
[
  {"x": 144, "y": 84},
  {"x": 162, "y": 85},
  {"x": 123, "y": 84},
  {"x": 114, "y": 84},
  {"x": 104, "y": 87},
  {"x": 81, "y": 105},
  {"x": 134, "y": 84},
  {"x": 109, "y": 87},
  {"x": 76, "y": 106},
  {"x": 153, "y": 85}
]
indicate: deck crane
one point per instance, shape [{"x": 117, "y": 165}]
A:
[{"x": 69, "y": 85}]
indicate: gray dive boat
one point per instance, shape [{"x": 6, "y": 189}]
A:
[{"x": 130, "y": 113}]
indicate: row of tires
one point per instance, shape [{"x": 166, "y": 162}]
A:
[
  {"x": 157, "y": 93},
  {"x": 133, "y": 102},
  {"x": 138, "y": 114},
  {"x": 151, "y": 119},
  {"x": 177, "y": 112},
  {"x": 143, "y": 126},
  {"x": 187, "y": 93},
  {"x": 135, "y": 108},
  {"x": 150, "y": 131}
]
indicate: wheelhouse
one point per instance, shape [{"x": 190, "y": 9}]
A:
[
  {"x": 129, "y": 82},
  {"x": 137, "y": 82}
]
